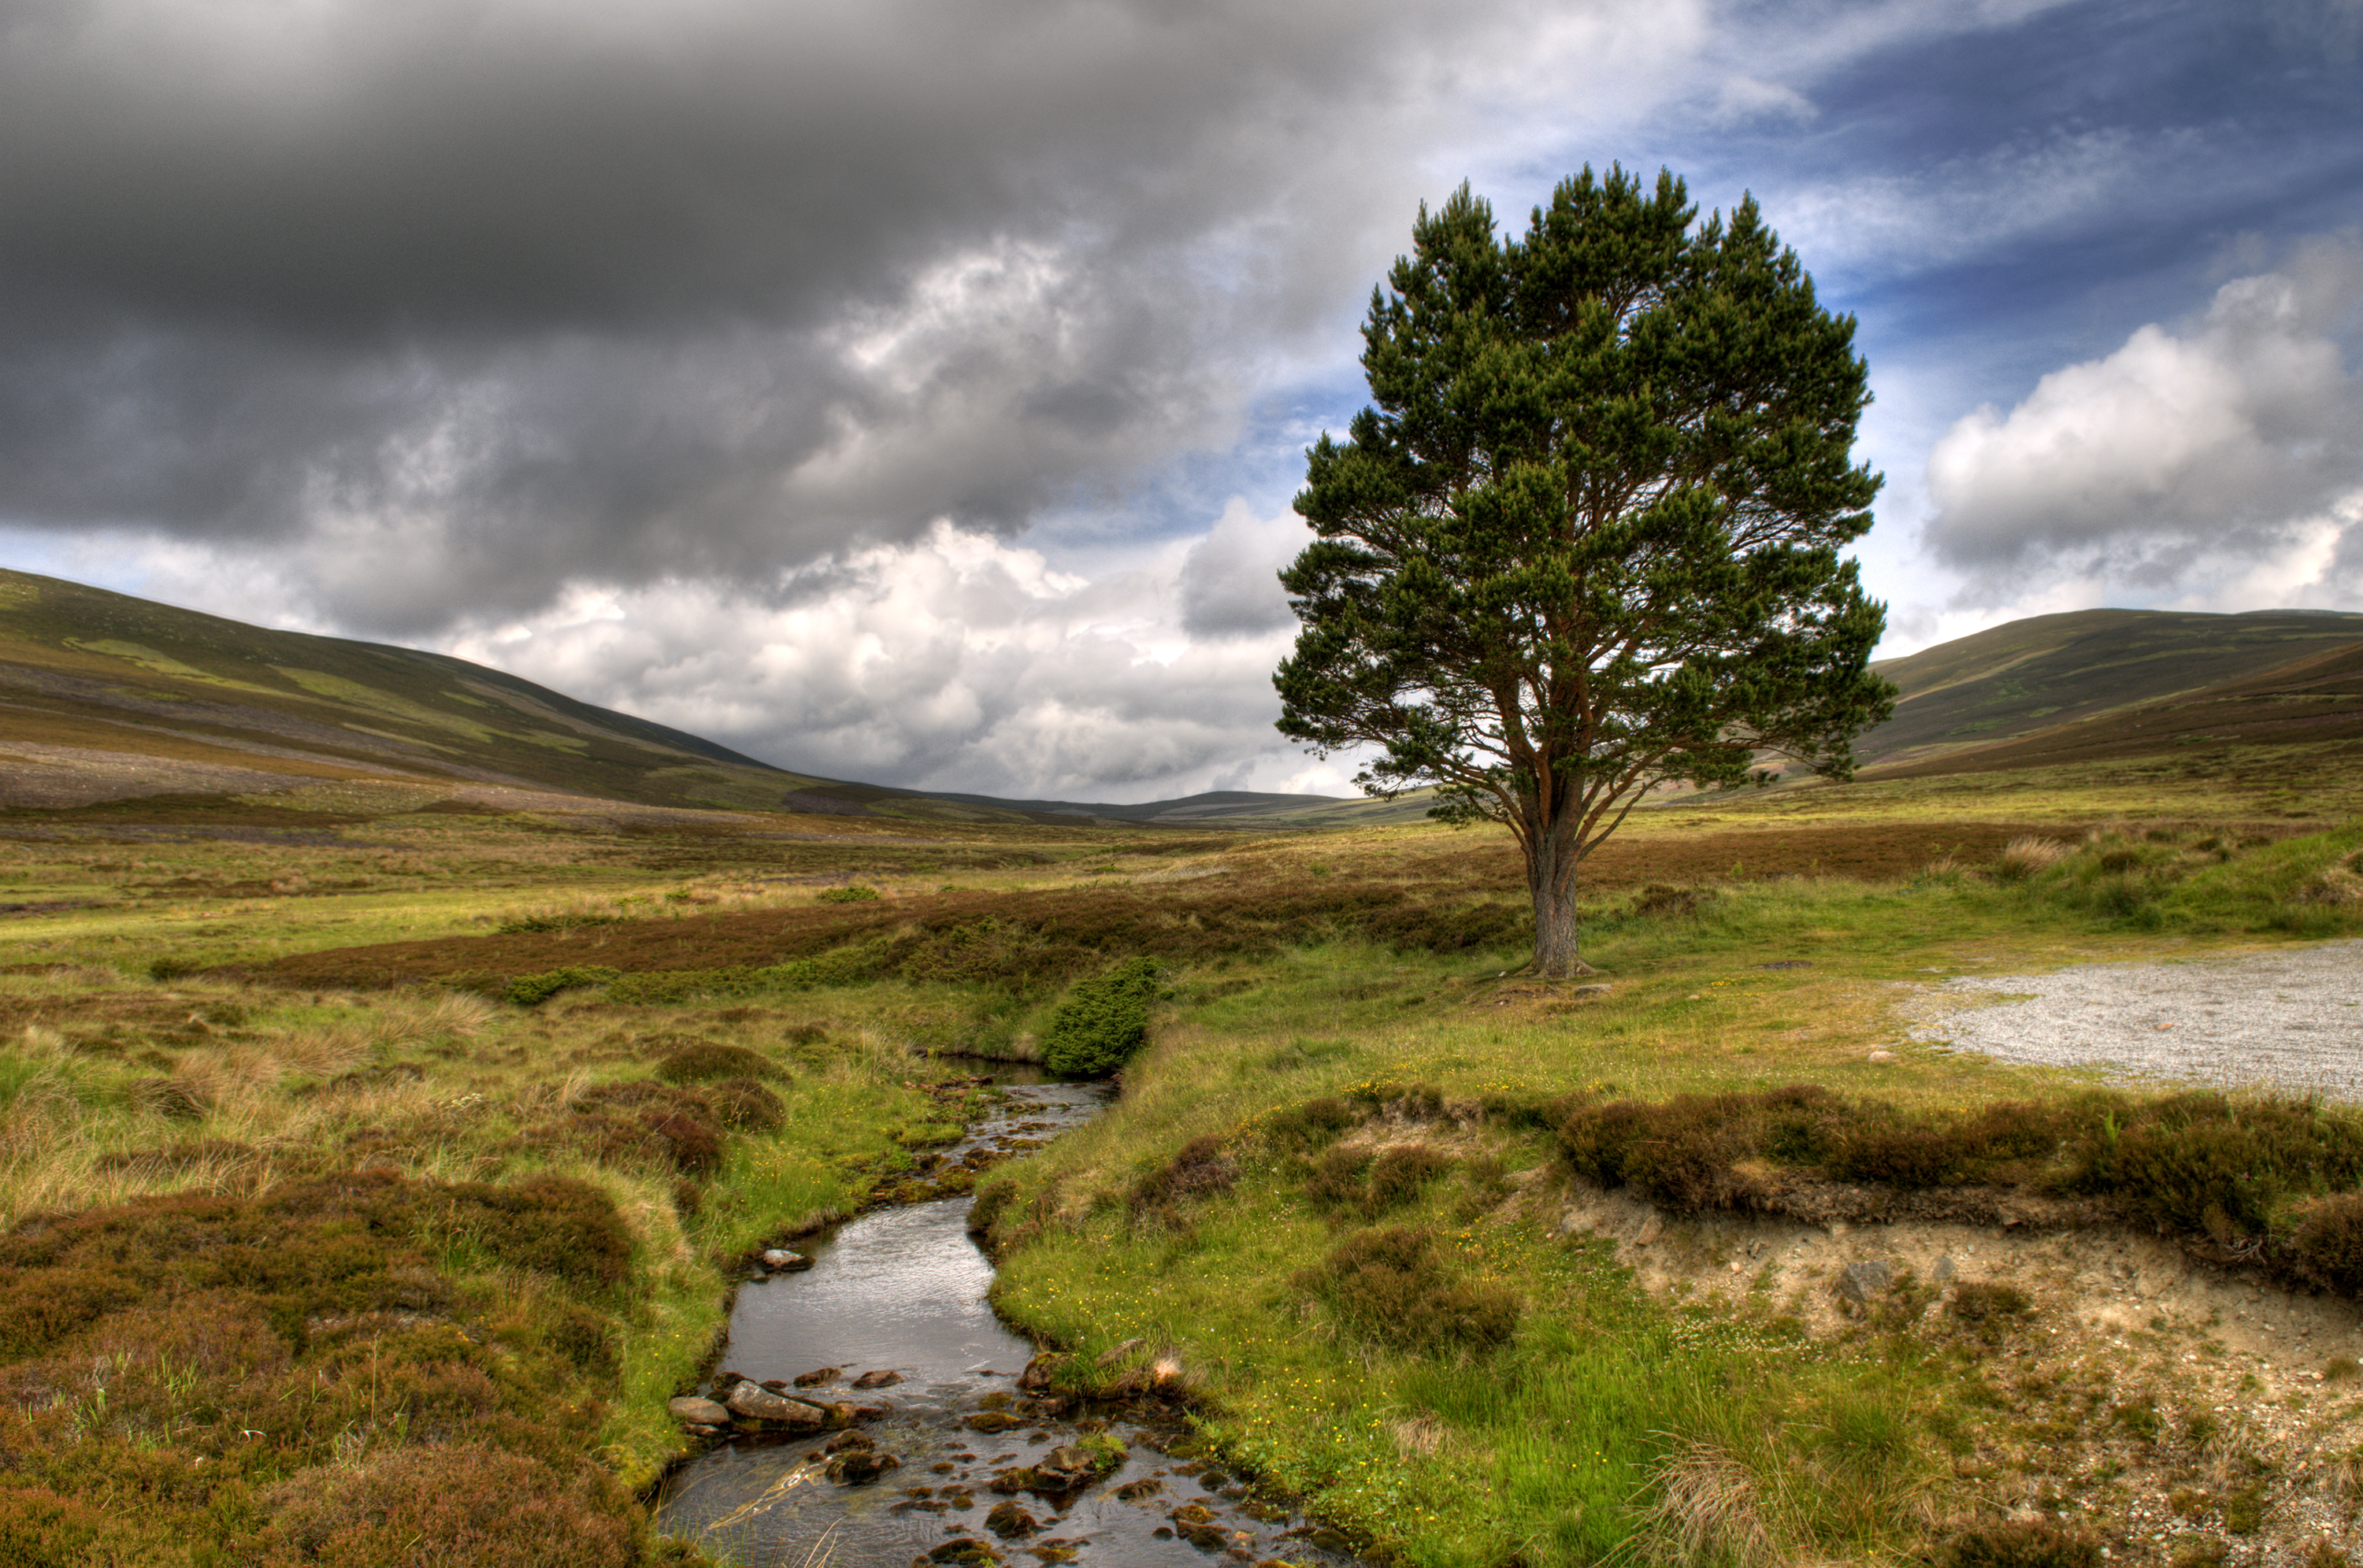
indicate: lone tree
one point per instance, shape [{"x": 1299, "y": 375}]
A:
[{"x": 1586, "y": 540}]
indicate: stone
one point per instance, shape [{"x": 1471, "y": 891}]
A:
[
  {"x": 816, "y": 1377},
  {"x": 1863, "y": 1281},
  {"x": 1066, "y": 1464},
  {"x": 751, "y": 1403},
  {"x": 993, "y": 1421},
  {"x": 857, "y": 1466},
  {"x": 844, "y": 1441},
  {"x": 1190, "y": 1515},
  {"x": 1039, "y": 1372},
  {"x": 879, "y": 1379},
  {"x": 1881, "y": 1058},
  {"x": 1945, "y": 1271},
  {"x": 967, "y": 1550},
  {"x": 779, "y": 1260},
  {"x": 1133, "y": 1491},
  {"x": 691, "y": 1411},
  {"x": 1010, "y": 1520}
]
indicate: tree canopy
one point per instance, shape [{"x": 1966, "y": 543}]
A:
[{"x": 1586, "y": 539}]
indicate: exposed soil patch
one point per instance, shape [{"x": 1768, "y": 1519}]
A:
[{"x": 2166, "y": 1405}]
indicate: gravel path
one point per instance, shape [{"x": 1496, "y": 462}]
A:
[{"x": 2290, "y": 1021}]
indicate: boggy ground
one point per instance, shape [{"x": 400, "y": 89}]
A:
[{"x": 311, "y": 1267}]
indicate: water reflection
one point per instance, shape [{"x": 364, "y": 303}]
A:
[{"x": 903, "y": 1290}]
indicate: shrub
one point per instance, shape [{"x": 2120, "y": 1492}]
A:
[
  {"x": 2204, "y": 1166},
  {"x": 460, "y": 1503},
  {"x": 645, "y": 1122},
  {"x": 2033, "y": 1544},
  {"x": 556, "y": 1225},
  {"x": 39, "y": 1528},
  {"x": 853, "y": 894},
  {"x": 2327, "y": 1246},
  {"x": 532, "y": 990},
  {"x": 1335, "y": 1180},
  {"x": 1103, "y": 1022},
  {"x": 746, "y": 1106},
  {"x": 1201, "y": 1169},
  {"x": 703, "y": 1061},
  {"x": 1398, "y": 1176},
  {"x": 1388, "y": 1285},
  {"x": 1311, "y": 1125}
]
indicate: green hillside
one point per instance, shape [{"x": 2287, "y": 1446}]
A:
[
  {"x": 104, "y": 697},
  {"x": 2051, "y": 671},
  {"x": 2308, "y": 701}
]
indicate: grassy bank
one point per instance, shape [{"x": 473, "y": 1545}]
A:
[
  {"x": 314, "y": 1236},
  {"x": 1336, "y": 1192}
]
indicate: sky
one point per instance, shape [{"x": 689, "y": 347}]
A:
[{"x": 915, "y": 391}]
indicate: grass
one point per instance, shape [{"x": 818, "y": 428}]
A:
[{"x": 502, "y": 1229}]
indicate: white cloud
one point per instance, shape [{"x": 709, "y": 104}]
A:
[
  {"x": 2227, "y": 444},
  {"x": 1230, "y": 584},
  {"x": 956, "y": 661}
]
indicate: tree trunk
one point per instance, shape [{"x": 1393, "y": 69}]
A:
[{"x": 1550, "y": 876}]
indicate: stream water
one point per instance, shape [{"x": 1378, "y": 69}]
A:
[{"x": 903, "y": 1290}]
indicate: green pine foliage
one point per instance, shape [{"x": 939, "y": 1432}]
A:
[
  {"x": 1587, "y": 539},
  {"x": 1103, "y": 1022}
]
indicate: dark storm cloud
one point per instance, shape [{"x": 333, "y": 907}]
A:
[{"x": 459, "y": 301}]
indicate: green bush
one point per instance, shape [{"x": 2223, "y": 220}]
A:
[
  {"x": 532, "y": 990},
  {"x": 1103, "y": 1022},
  {"x": 855, "y": 894}
]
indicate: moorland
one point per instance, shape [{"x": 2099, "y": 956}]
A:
[{"x": 385, "y": 1115}]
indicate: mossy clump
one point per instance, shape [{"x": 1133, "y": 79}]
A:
[{"x": 1103, "y": 1023}]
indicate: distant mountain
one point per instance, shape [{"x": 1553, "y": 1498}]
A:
[
  {"x": 2055, "y": 673},
  {"x": 120, "y": 705},
  {"x": 117, "y": 705},
  {"x": 2314, "y": 698}
]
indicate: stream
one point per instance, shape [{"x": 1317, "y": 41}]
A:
[{"x": 901, "y": 1290}]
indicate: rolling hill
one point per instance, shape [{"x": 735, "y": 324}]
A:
[
  {"x": 2313, "y": 699},
  {"x": 2052, "y": 673},
  {"x": 115, "y": 705},
  {"x": 119, "y": 707}
]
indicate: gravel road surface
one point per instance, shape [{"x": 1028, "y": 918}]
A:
[{"x": 2290, "y": 1021}]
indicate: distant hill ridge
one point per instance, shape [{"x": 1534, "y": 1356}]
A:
[
  {"x": 112, "y": 703},
  {"x": 106, "y": 698},
  {"x": 2048, "y": 673}
]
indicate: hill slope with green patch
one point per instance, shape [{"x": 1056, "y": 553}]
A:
[{"x": 2050, "y": 671}]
